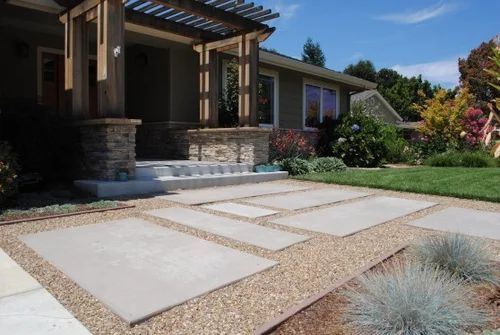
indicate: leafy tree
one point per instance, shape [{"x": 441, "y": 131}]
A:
[
  {"x": 474, "y": 77},
  {"x": 363, "y": 69},
  {"x": 403, "y": 93},
  {"x": 442, "y": 117},
  {"x": 313, "y": 54}
]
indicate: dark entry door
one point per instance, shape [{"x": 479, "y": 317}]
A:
[{"x": 53, "y": 94}]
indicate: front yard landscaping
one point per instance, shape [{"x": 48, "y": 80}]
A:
[
  {"x": 39, "y": 213},
  {"x": 469, "y": 183}
]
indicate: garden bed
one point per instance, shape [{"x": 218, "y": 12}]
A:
[
  {"x": 11, "y": 216},
  {"x": 325, "y": 313}
]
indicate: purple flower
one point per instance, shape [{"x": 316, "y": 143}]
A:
[{"x": 355, "y": 127}]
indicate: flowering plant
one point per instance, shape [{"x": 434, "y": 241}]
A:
[
  {"x": 8, "y": 177},
  {"x": 287, "y": 143},
  {"x": 473, "y": 122}
]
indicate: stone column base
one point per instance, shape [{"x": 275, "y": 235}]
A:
[
  {"x": 241, "y": 145},
  {"x": 108, "y": 147}
]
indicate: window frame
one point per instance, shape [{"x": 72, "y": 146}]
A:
[
  {"x": 265, "y": 72},
  {"x": 322, "y": 85},
  {"x": 275, "y": 75}
]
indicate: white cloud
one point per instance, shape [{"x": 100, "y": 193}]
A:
[
  {"x": 287, "y": 10},
  {"x": 444, "y": 72},
  {"x": 418, "y": 15}
]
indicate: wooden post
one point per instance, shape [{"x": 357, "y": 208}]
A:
[
  {"x": 80, "y": 69},
  {"x": 243, "y": 99},
  {"x": 110, "y": 59},
  {"x": 213, "y": 93},
  {"x": 253, "y": 73},
  {"x": 204, "y": 87},
  {"x": 248, "y": 81}
]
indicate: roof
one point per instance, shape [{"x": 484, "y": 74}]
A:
[
  {"x": 274, "y": 58},
  {"x": 214, "y": 19},
  {"x": 363, "y": 96}
]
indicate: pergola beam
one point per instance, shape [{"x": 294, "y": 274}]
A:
[{"x": 170, "y": 26}]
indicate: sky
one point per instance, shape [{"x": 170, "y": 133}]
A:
[{"x": 412, "y": 37}]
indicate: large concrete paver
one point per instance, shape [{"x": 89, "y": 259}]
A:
[
  {"x": 139, "y": 269},
  {"x": 26, "y": 308},
  {"x": 203, "y": 196},
  {"x": 254, "y": 234},
  {"x": 37, "y": 312},
  {"x": 463, "y": 220},
  {"x": 241, "y": 210},
  {"x": 300, "y": 200},
  {"x": 347, "y": 219}
]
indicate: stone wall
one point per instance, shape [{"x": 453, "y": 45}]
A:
[
  {"x": 159, "y": 141},
  {"x": 108, "y": 147},
  {"x": 248, "y": 145}
]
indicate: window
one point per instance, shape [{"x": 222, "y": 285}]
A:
[
  {"x": 320, "y": 102},
  {"x": 266, "y": 100}
]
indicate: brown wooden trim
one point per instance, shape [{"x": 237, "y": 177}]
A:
[
  {"x": 80, "y": 68},
  {"x": 272, "y": 324},
  {"x": 253, "y": 75},
  {"x": 55, "y": 216}
]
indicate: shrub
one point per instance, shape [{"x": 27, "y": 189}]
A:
[
  {"x": 397, "y": 148},
  {"x": 441, "y": 116},
  {"x": 473, "y": 122},
  {"x": 289, "y": 144},
  {"x": 411, "y": 300},
  {"x": 296, "y": 166},
  {"x": 8, "y": 174},
  {"x": 358, "y": 139},
  {"x": 472, "y": 159},
  {"x": 460, "y": 256},
  {"x": 328, "y": 164}
]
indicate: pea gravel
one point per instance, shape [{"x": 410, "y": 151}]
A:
[{"x": 303, "y": 269}]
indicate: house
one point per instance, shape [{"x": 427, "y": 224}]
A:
[
  {"x": 142, "y": 79},
  {"x": 375, "y": 104}
]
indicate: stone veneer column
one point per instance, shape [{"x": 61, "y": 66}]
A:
[
  {"x": 108, "y": 147},
  {"x": 242, "y": 145}
]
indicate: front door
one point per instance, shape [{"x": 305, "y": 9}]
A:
[{"x": 53, "y": 93}]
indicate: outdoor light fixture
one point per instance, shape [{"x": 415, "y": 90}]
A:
[{"x": 117, "y": 51}]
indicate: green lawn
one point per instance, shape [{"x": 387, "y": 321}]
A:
[{"x": 470, "y": 183}]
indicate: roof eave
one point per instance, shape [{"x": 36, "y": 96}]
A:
[{"x": 297, "y": 65}]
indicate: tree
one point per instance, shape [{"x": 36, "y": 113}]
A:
[
  {"x": 473, "y": 76},
  {"x": 404, "y": 93},
  {"x": 313, "y": 54},
  {"x": 363, "y": 69}
]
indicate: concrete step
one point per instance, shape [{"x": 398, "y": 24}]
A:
[
  {"x": 193, "y": 169},
  {"x": 106, "y": 189}
]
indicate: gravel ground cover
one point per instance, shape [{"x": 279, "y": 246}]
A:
[{"x": 303, "y": 269}]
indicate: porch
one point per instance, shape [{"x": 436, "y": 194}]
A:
[{"x": 108, "y": 135}]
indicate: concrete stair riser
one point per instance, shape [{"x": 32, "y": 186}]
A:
[{"x": 192, "y": 170}]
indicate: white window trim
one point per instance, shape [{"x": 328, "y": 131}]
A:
[
  {"x": 321, "y": 85},
  {"x": 39, "y": 68},
  {"x": 276, "y": 77}
]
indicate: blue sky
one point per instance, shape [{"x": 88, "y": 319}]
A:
[{"x": 411, "y": 37}]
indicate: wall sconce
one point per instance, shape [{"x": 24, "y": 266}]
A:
[{"x": 22, "y": 50}]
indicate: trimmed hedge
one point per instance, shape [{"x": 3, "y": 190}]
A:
[
  {"x": 471, "y": 159},
  {"x": 299, "y": 166}
]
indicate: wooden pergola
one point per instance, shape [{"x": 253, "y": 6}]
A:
[{"x": 213, "y": 25}]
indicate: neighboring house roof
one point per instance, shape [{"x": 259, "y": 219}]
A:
[
  {"x": 274, "y": 58},
  {"x": 364, "y": 96}
]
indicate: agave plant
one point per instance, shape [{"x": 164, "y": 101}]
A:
[
  {"x": 463, "y": 257},
  {"x": 411, "y": 300}
]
